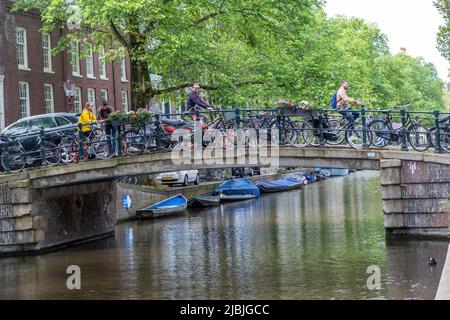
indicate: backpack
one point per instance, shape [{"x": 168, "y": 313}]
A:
[{"x": 333, "y": 100}]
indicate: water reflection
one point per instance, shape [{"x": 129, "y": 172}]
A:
[{"x": 310, "y": 244}]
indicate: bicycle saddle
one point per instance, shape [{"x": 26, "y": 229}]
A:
[{"x": 174, "y": 123}]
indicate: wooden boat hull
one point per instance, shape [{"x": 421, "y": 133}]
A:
[
  {"x": 203, "y": 202},
  {"x": 167, "y": 207},
  {"x": 225, "y": 197}
]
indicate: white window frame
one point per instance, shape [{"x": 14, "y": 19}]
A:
[
  {"x": 90, "y": 72},
  {"x": 104, "y": 94},
  {"x": 77, "y": 100},
  {"x": 91, "y": 95},
  {"x": 75, "y": 59},
  {"x": 23, "y": 66},
  {"x": 47, "y": 52},
  {"x": 125, "y": 101},
  {"x": 102, "y": 64},
  {"x": 123, "y": 70},
  {"x": 49, "y": 102},
  {"x": 26, "y": 98}
]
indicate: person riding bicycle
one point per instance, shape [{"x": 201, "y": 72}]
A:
[
  {"x": 343, "y": 102},
  {"x": 194, "y": 102},
  {"x": 86, "y": 118}
]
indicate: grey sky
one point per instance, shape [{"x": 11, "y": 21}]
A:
[{"x": 412, "y": 24}]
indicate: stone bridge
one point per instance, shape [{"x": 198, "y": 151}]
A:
[{"x": 46, "y": 208}]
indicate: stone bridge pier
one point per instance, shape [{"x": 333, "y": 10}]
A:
[
  {"x": 36, "y": 220},
  {"x": 415, "y": 197}
]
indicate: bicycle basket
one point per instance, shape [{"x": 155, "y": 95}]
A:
[{"x": 229, "y": 115}]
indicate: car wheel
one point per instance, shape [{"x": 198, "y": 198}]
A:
[
  {"x": 186, "y": 181},
  {"x": 197, "y": 180}
]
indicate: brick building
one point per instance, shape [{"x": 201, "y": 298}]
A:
[{"x": 31, "y": 79}]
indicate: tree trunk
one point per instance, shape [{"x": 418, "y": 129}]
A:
[{"x": 141, "y": 87}]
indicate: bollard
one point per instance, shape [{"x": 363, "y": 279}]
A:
[
  {"x": 321, "y": 136},
  {"x": 404, "y": 132},
  {"x": 364, "y": 129},
  {"x": 438, "y": 146},
  {"x": 42, "y": 137},
  {"x": 80, "y": 144}
]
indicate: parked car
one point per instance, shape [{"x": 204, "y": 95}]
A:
[
  {"x": 26, "y": 130},
  {"x": 183, "y": 177}
]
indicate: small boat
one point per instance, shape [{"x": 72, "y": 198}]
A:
[
  {"x": 339, "y": 172},
  {"x": 171, "y": 206},
  {"x": 284, "y": 184},
  {"x": 236, "y": 189},
  {"x": 203, "y": 201}
]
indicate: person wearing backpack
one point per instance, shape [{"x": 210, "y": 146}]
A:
[{"x": 340, "y": 101}]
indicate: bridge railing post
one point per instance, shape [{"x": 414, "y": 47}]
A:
[
  {"x": 158, "y": 131},
  {"x": 118, "y": 129},
  {"x": 238, "y": 118},
  {"x": 81, "y": 142},
  {"x": 437, "y": 146},
  {"x": 404, "y": 132},
  {"x": 7, "y": 156},
  {"x": 364, "y": 128},
  {"x": 280, "y": 129},
  {"x": 42, "y": 138},
  {"x": 321, "y": 135}
]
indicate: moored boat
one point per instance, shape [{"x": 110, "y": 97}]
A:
[
  {"x": 170, "y": 206},
  {"x": 283, "y": 184},
  {"x": 236, "y": 189},
  {"x": 203, "y": 201}
]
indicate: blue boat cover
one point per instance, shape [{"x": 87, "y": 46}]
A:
[
  {"x": 309, "y": 177},
  {"x": 280, "y": 184},
  {"x": 178, "y": 200},
  {"x": 237, "y": 187}
]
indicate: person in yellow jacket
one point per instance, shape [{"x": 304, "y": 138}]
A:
[{"x": 87, "y": 117}]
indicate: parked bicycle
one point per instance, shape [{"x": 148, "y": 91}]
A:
[{"x": 386, "y": 132}]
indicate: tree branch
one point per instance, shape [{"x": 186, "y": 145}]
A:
[
  {"x": 118, "y": 35},
  {"x": 207, "y": 17}
]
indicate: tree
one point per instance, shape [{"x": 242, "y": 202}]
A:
[
  {"x": 222, "y": 44},
  {"x": 443, "y": 36}
]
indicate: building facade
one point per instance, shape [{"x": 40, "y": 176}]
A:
[{"x": 32, "y": 79}]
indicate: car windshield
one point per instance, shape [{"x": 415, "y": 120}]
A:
[
  {"x": 45, "y": 122},
  {"x": 17, "y": 128}
]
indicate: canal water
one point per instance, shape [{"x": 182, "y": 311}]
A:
[{"x": 316, "y": 243}]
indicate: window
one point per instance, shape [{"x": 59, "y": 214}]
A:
[
  {"x": 17, "y": 128},
  {"x": 48, "y": 98},
  {"x": 104, "y": 94},
  {"x": 77, "y": 100},
  {"x": 90, "y": 63},
  {"x": 45, "y": 122},
  {"x": 102, "y": 64},
  {"x": 91, "y": 95},
  {"x": 21, "y": 48},
  {"x": 123, "y": 69},
  {"x": 60, "y": 121},
  {"x": 75, "y": 52},
  {"x": 24, "y": 98},
  {"x": 47, "y": 51},
  {"x": 124, "y": 101}
]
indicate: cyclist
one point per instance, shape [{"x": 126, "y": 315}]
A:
[
  {"x": 194, "y": 102},
  {"x": 343, "y": 102},
  {"x": 87, "y": 116}
]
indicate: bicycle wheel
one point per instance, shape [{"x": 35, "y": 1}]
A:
[
  {"x": 445, "y": 139},
  {"x": 297, "y": 139},
  {"x": 52, "y": 153},
  {"x": 354, "y": 135},
  {"x": 419, "y": 138},
  {"x": 336, "y": 127},
  {"x": 133, "y": 142},
  {"x": 15, "y": 158},
  {"x": 104, "y": 146},
  {"x": 311, "y": 135},
  {"x": 380, "y": 132}
]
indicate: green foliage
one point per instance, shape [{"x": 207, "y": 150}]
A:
[
  {"x": 247, "y": 53},
  {"x": 443, "y": 36}
]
